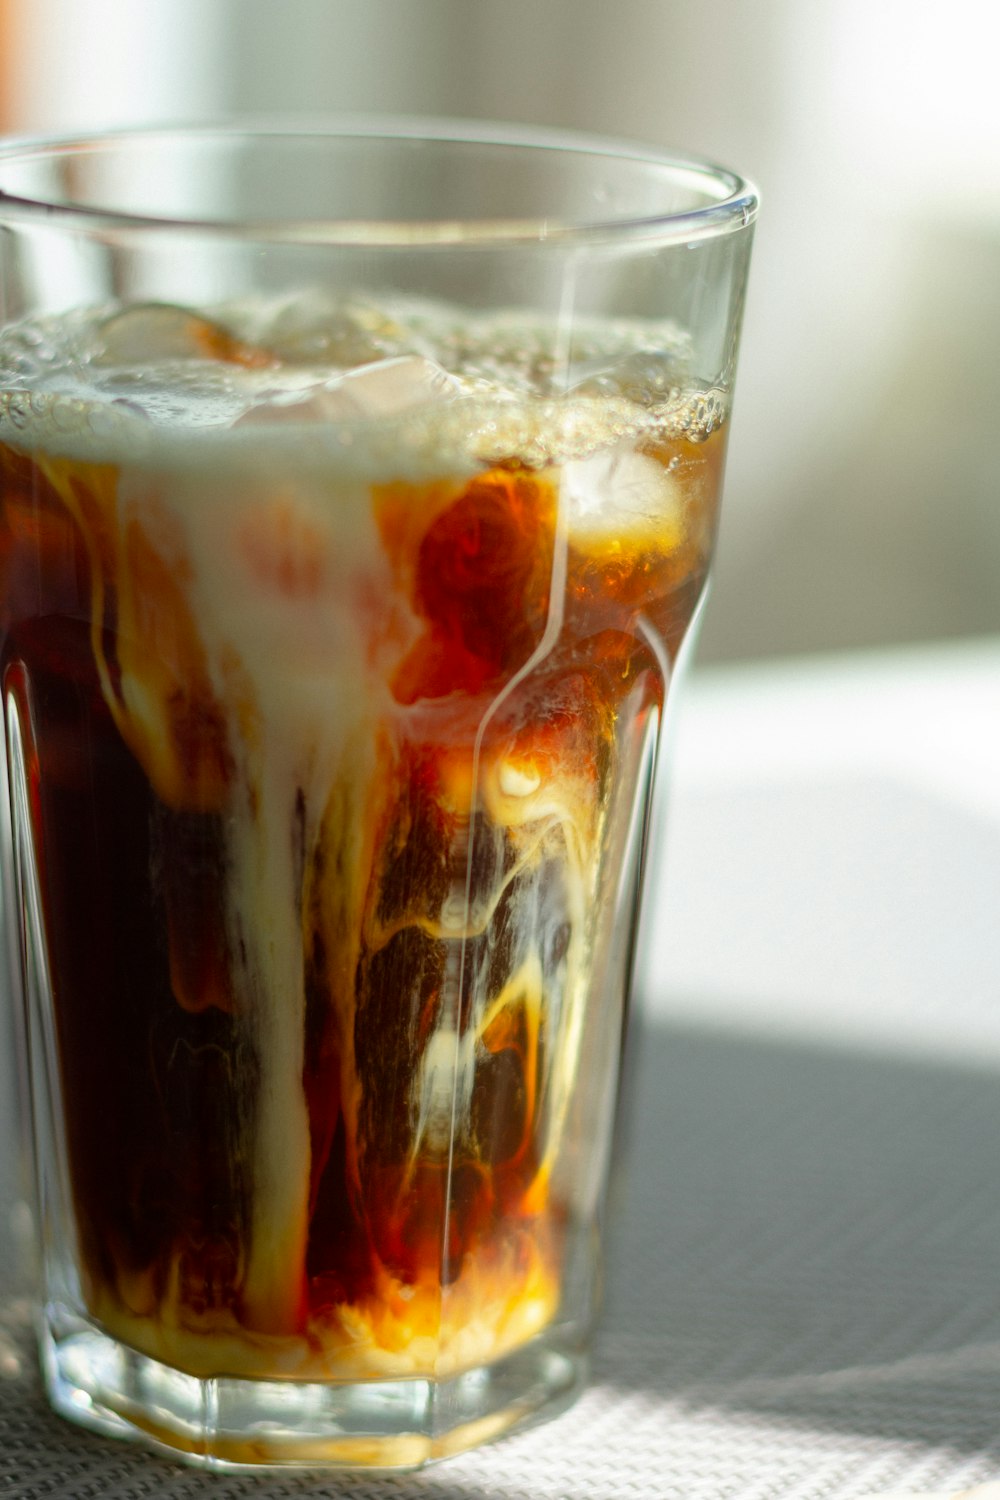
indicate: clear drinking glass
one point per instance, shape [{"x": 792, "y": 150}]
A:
[{"x": 357, "y": 493}]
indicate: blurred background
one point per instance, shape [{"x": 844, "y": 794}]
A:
[{"x": 865, "y": 458}]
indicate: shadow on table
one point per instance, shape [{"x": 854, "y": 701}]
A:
[
  {"x": 812, "y": 1233},
  {"x": 802, "y": 1232}
]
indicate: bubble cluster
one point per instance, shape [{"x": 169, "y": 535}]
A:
[{"x": 405, "y": 381}]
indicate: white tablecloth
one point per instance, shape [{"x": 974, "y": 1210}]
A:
[{"x": 804, "y": 1293}]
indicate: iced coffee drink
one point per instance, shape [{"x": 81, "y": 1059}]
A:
[{"x": 335, "y": 637}]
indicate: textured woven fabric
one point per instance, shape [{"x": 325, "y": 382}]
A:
[{"x": 803, "y": 1301}]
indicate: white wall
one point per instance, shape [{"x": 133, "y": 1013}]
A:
[{"x": 85, "y": 64}]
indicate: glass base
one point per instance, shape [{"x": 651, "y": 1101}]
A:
[{"x": 226, "y": 1423}]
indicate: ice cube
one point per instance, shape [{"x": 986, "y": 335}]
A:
[
  {"x": 313, "y": 329},
  {"x": 391, "y": 386},
  {"x": 151, "y": 333},
  {"x": 620, "y": 492},
  {"x": 267, "y": 410},
  {"x": 287, "y": 396},
  {"x": 385, "y": 388}
]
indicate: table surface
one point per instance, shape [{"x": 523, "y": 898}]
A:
[{"x": 804, "y": 1287}]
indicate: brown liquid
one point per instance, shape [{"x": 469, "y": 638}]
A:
[{"x": 437, "y": 1046}]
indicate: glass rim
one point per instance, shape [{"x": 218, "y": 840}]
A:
[{"x": 734, "y": 209}]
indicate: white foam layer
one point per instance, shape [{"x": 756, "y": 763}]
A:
[{"x": 398, "y": 391}]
